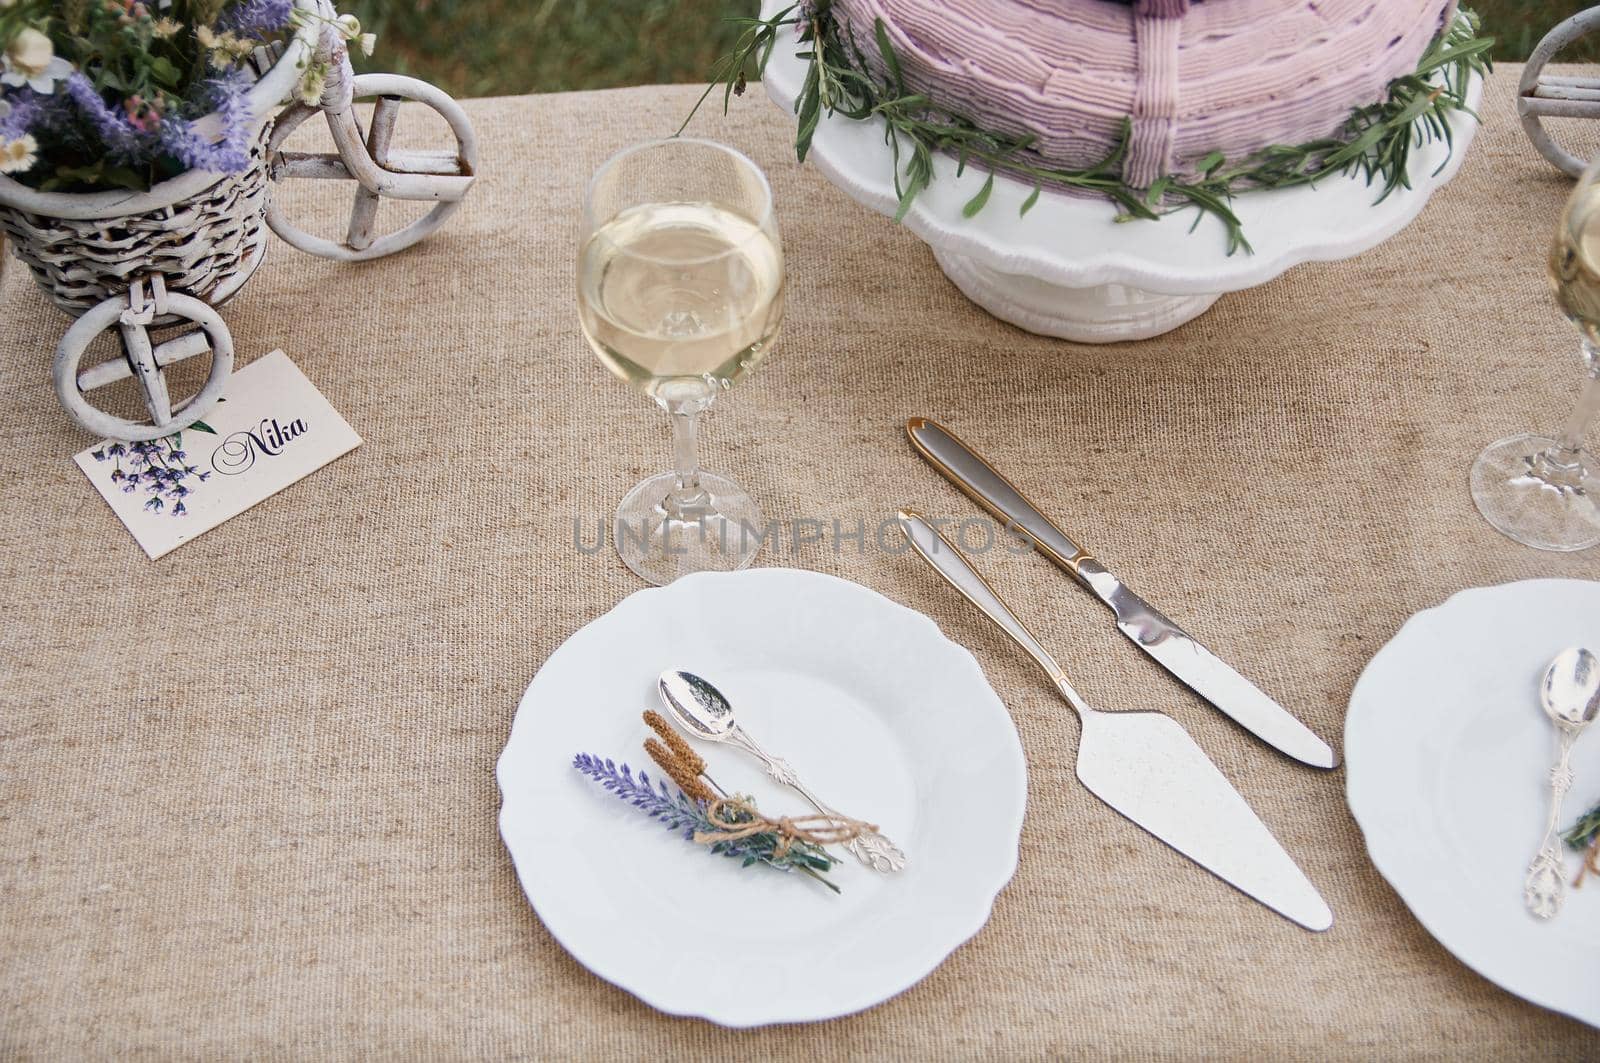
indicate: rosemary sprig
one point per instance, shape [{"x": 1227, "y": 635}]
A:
[
  {"x": 1583, "y": 833},
  {"x": 757, "y": 41},
  {"x": 1376, "y": 141}
]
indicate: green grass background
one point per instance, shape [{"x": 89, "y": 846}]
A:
[{"x": 503, "y": 47}]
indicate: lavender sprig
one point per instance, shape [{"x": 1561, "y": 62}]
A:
[
  {"x": 677, "y": 812},
  {"x": 226, "y": 96},
  {"x": 257, "y": 18},
  {"x": 20, "y": 118},
  {"x": 118, "y": 137}
]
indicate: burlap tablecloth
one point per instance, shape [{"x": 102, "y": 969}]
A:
[{"x": 247, "y": 795}]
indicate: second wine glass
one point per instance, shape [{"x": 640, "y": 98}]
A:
[
  {"x": 680, "y": 292},
  {"x": 1544, "y": 491}
]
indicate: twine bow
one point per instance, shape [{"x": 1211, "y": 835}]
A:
[{"x": 737, "y": 819}]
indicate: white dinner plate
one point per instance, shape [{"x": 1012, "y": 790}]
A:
[
  {"x": 1448, "y": 758},
  {"x": 879, "y": 713}
]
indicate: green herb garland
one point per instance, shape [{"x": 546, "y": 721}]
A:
[{"x": 1376, "y": 141}]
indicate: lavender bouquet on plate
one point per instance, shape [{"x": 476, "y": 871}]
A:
[{"x": 699, "y": 819}]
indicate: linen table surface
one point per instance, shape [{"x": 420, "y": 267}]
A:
[{"x": 247, "y": 792}]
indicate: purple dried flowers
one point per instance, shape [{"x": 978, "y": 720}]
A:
[
  {"x": 256, "y": 18},
  {"x": 226, "y": 96},
  {"x": 129, "y": 93},
  {"x": 19, "y": 114},
  {"x": 677, "y": 812},
  {"x": 118, "y": 136}
]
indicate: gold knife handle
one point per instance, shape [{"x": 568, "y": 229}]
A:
[{"x": 984, "y": 485}]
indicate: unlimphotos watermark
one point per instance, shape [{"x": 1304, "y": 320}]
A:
[{"x": 973, "y": 535}]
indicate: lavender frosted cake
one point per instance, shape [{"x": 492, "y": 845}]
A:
[
  {"x": 1157, "y": 105},
  {"x": 1229, "y": 76}
]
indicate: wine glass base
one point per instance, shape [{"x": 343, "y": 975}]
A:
[
  {"x": 723, "y": 535},
  {"x": 1558, "y": 512}
]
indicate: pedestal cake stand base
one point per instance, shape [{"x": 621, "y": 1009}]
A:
[{"x": 1101, "y": 313}]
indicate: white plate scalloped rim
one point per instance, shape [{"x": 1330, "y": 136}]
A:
[
  {"x": 878, "y": 711},
  {"x": 1074, "y": 241},
  {"x": 1448, "y": 757}
]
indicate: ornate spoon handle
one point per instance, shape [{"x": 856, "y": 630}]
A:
[
  {"x": 1546, "y": 883},
  {"x": 872, "y": 849}
]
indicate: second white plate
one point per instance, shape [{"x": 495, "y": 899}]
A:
[
  {"x": 1448, "y": 758},
  {"x": 879, "y": 713}
]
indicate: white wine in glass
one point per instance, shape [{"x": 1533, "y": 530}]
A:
[
  {"x": 676, "y": 296},
  {"x": 1544, "y": 491},
  {"x": 680, "y": 293}
]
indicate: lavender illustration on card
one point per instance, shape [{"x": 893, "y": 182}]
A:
[
  {"x": 159, "y": 469},
  {"x": 275, "y": 430}
]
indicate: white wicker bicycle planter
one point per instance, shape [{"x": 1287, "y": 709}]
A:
[{"x": 137, "y": 261}]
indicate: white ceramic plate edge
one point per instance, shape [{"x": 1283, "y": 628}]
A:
[{"x": 755, "y": 1014}]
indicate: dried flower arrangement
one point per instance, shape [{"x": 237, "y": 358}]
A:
[
  {"x": 730, "y": 826},
  {"x": 679, "y": 812},
  {"x": 101, "y": 94}
]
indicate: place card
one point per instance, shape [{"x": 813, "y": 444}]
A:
[{"x": 272, "y": 428}]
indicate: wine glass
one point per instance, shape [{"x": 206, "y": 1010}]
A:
[
  {"x": 680, "y": 291},
  {"x": 1545, "y": 492}
]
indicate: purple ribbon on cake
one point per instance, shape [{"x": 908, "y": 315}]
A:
[{"x": 1157, "y": 25}]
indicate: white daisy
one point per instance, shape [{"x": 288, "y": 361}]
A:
[
  {"x": 32, "y": 61},
  {"x": 18, "y": 155}
]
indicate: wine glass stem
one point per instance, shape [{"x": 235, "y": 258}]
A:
[
  {"x": 1588, "y": 405},
  {"x": 687, "y": 500}
]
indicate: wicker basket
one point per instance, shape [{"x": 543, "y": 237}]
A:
[
  {"x": 205, "y": 245},
  {"x": 202, "y": 232},
  {"x": 130, "y": 262}
]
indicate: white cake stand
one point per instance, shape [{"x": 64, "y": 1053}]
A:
[{"x": 1069, "y": 269}]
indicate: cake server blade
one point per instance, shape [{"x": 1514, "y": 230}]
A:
[{"x": 1145, "y": 766}]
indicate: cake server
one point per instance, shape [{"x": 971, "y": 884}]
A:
[
  {"x": 1173, "y": 649},
  {"x": 1146, "y": 767}
]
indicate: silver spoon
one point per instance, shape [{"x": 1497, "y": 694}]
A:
[
  {"x": 703, "y": 710},
  {"x": 1570, "y": 695}
]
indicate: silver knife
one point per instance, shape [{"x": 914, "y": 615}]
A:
[
  {"x": 1145, "y": 766},
  {"x": 1199, "y": 668}
]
